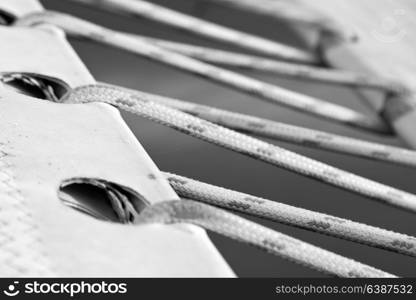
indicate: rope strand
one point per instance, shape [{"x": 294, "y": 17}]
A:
[
  {"x": 154, "y": 12},
  {"x": 294, "y": 216},
  {"x": 288, "y": 133},
  {"x": 292, "y": 70},
  {"x": 292, "y": 12},
  {"x": 229, "y": 225},
  {"x": 232, "y": 140},
  {"x": 271, "y": 93}
]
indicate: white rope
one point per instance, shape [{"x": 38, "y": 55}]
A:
[
  {"x": 219, "y": 221},
  {"x": 272, "y": 93},
  {"x": 292, "y": 12},
  {"x": 227, "y": 224},
  {"x": 293, "y": 70},
  {"x": 294, "y": 216},
  {"x": 241, "y": 143},
  {"x": 289, "y": 133},
  {"x": 259, "y": 126},
  {"x": 203, "y": 28}
]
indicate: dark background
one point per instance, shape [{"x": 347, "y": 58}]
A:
[{"x": 178, "y": 153}]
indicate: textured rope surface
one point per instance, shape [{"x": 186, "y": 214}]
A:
[
  {"x": 293, "y": 70},
  {"x": 241, "y": 143},
  {"x": 20, "y": 244},
  {"x": 288, "y": 133},
  {"x": 203, "y": 28},
  {"x": 265, "y": 91},
  {"x": 219, "y": 221},
  {"x": 299, "y": 217},
  {"x": 233, "y": 226}
]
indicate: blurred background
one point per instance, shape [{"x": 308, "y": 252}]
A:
[{"x": 183, "y": 155}]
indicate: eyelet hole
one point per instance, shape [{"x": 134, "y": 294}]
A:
[
  {"x": 6, "y": 19},
  {"x": 102, "y": 199},
  {"x": 35, "y": 85}
]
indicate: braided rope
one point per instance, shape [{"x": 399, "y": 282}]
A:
[
  {"x": 294, "y": 13},
  {"x": 291, "y": 70},
  {"x": 294, "y": 216},
  {"x": 203, "y": 28},
  {"x": 235, "y": 227},
  {"x": 21, "y": 248},
  {"x": 259, "y": 126},
  {"x": 241, "y": 143},
  {"x": 265, "y": 91},
  {"x": 219, "y": 221},
  {"x": 288, "y": 133}
]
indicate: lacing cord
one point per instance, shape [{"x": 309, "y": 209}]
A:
[
  {"x": 294, "y": 14},
  {"x": 241, "y": 143},
  {"x": 203, "y": 28},
  {"x": 259, "y": 207},
  {"x": 265, "y": 91},
  {"x": 256, "y": 126},
  {"x": 286, "y": 69},
  {"x": 216, "y": 220},
  {"x": 289, "y": 133},
  {"x": 294, "y": 216},
  {"x": 259, "y": 126},
  {"x": 229, "y": 225}
]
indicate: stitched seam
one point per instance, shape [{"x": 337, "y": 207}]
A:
[{"x": 20, "y": 244}]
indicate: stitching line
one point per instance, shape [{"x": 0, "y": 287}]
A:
[{"x": 20, "y": 243}]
